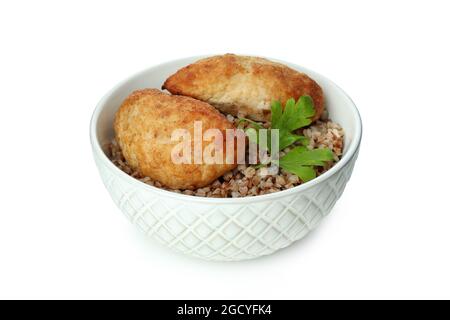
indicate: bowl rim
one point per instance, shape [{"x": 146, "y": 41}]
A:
[{"x": 100, "y": 154}]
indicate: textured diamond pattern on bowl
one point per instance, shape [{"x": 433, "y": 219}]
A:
[{"x": 228, "y": 231}]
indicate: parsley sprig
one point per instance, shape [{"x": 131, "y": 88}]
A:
[
  {"x": 301, "y": 161},
  {"x": 295, "y": 115}
]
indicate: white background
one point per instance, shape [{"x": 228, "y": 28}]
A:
[{"x": 62, "y": 237}]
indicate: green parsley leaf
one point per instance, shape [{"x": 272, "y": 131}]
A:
[
  {"x": 293, "y": 117},
  {"x": 303, "y": 172},
  {"x": 277, "y": 112},
  {"x": 306, "y": 106},
  {"x": 286, "y": 139},
  {"x": 299, "y": 159},
  {"x": 305, "y": 157}
]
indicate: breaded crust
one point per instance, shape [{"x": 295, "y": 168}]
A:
[
  {"x": 144, "y": 125},
  {"x": 243, "y": 86}
]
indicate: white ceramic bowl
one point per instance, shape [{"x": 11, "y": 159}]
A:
[{"x": 230, "y": 228}]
